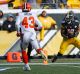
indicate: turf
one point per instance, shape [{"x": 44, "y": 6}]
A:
[
  {"x": 62, "y": 66},
  {"x": 43, "y": 69}
]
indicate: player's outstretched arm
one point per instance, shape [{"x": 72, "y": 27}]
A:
[{"x": 18, "y": 25}]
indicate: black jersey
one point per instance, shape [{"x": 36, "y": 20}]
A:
[{"x": 69, "y": 29}]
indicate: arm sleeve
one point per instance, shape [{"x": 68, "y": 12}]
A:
[
  {"x": 63, "y": 28},
  {"x": 53, "y": 21},
  {"x": 18, "y": 24},
  {"x": 38, "y": 22}
]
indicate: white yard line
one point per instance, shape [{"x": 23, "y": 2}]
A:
[
  {"x": 8, "y": 68},
  {"x": 40, "y": 63},
  {"x": 65, "y": 65}
]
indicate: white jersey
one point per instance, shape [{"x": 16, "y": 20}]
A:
[{"x": 26, "y": 22}]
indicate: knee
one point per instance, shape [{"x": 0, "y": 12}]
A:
[{"x": 39, "y": 50}]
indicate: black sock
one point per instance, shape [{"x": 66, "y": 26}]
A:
[{"x": 59, "y": 55}]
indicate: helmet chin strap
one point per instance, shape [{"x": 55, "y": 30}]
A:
[{"x": 26, "y": 10}]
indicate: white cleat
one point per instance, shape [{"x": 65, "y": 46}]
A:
[{"x": 26, "y": 68}]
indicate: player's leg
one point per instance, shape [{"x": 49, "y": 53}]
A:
[
  {"x": 77, "y": 42},
  {"x": 24, "y": 44},
  {"x": 38, "y": 49},
  {"x": 29, "y": 51},
  {"x": 24, "y": 56},
  {"x": 63, "y": 47}
]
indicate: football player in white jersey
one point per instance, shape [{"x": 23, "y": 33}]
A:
[{"x": 26, "y": 22}]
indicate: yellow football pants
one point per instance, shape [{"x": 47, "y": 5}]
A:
[{"x": 66, "y": 42}]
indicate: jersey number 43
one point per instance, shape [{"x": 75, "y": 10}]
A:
[{"x": 26, "y": 24}]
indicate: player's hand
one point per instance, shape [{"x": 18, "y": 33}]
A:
[
  {"x": 36, "y": 25},
  {"x": 70, "y": 31},
  {"x": 36, "y": 29},
  {"x": 52, "y": 27},
  {"x": 18, "y": 34}
]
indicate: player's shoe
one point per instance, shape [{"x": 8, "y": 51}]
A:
[
  {"x": 54, "y": 58},
  {"x": 45, "y": 62},
  {"x": 44, "y": 56},
  {"x": 26, "y": 67}
]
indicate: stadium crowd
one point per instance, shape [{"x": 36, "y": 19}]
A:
[
  {"x": 44, "y": 4},
  {"x": 9, "y": 19},
  {"x": 7, "y": 22}
]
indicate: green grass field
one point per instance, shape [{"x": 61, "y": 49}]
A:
[{"x": 61, "y": 66}]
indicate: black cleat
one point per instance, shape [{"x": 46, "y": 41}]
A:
[{"x": 54, "y": 58}]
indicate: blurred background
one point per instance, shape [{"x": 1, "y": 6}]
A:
[{"x": 44, "y": 4}]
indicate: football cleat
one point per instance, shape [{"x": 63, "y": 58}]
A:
[
  {"x": 26, "y": 67},
  {"x": 54, "y": 58},
  {"x": 45, "y": 62}
]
